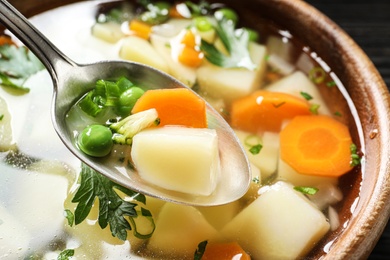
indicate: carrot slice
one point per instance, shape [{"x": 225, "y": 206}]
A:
[
  {"x": 316, "y": 145},
  {"x": 266, "y": 111},
  {"x": 177, "y": 106},
  {"x": 140, "y": 29},
  {"x": 6, "y": 40},
  {"x": 225, "y": 251},
  {"x": 190, "y": 57}
]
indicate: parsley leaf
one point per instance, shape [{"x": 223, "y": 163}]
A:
[
  {"x": 17, "y": 64},
  {"x": 306, "y": 190},
  {"x": 236, "y": 43},
  {"x": 200, "y": 250},
  {"x": 112, "y": 208},
  {"x": 66, "y": 254}
]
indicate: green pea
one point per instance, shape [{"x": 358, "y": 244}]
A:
[
  {"x": 127, "y": 100},
  {"x": 202, "y": 23},
  {"x": 95, "y": 140},
  {"x": 227, "y": 14}
]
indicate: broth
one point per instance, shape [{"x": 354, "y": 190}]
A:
[{"x": 41, "y": 166}]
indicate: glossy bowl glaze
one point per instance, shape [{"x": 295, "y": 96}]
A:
[{"x": 366, "y": 209}]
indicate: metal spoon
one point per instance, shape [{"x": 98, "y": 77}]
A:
[{"x": 72, "y": 80}]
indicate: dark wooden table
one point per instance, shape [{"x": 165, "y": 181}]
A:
[{"x": 368, "y": 23}]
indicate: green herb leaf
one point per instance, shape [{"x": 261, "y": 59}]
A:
[
  {"x": 314, "y": 109},
  {"x": 17, "y": 64},
  {"x": 355, "y": 158},
  {"x": 337, "y": 113},
  {"x": 255, "y": 149},
  {"x": 317, "y": 75},
  {"x": 306, "y": 190},
  {"x": 306, "y": 96},
  {"x": 112, "y": 208},
  {"x": 200, "y": 250},
  {"x": 235, "y": 42},
  {"x": 1, "y": 117},
  {"x": 69, "y": 216},
  {"x": 66, "y": 254}
]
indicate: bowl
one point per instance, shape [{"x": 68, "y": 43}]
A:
[{"x": 366, "y": 209}]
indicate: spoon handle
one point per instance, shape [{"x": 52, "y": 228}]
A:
[{"x": 27, "y": 33}]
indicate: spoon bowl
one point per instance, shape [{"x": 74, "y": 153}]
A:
[{"x": 71, "y": 81}]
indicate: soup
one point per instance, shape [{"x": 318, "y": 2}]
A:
[{"x": 281, "y": 205}]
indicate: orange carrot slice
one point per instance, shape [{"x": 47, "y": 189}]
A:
[
  {"x": 174, "y": 107},
  {"x": 6, "y": 40},
  {"x": 190, "y": 57},
  {"x": 266, "y": 111},
  {"x": 140, "y": 29},
  {"x": 225, "y": 251},
  {"x": 316, "y": 145}
]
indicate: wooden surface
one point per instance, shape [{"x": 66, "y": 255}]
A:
[{"x": 368, "y": 23}]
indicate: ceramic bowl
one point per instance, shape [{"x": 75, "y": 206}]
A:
[{"x": 366, "y": 209}]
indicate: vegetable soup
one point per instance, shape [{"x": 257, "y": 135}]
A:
[{"x": 286, "y": 106}]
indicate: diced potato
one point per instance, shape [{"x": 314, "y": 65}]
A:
[
  {"x": 280, "y": 65},
  {"x": 14, "y": 238},
  {"x": 171, "y": 28},
  {"x": 233, "y": 83},
  {"x": 296, "y": 83},
  {"x": 219, "y": 216},
  {"x": 184, "y": 225},
  {"x": 185, "y": 74},
  {"x": 140, "y": 50},
  {"x": 267, "y": 159},
  {"x": 328, "y": 194},
  {"x": 178, "y": 158},
  {"x": 110, "y": 32},
  {"x": 281, "y": 47},
  {"x": 287, "y": 173},
  {"x": 280, "y": 224},
  {"x": 6, "y": 141}
]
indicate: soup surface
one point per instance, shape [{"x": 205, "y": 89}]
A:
[{"x": 268, "y": 86}]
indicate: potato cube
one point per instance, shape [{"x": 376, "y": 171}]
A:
[
  {"x": 280, "y": 224},
  {"x": 233, "y": 83},
  {"x": 267, "y": 159},
  {"x": 287, "y": 173},
  {"x": 110, "y": 32},
  {"x": 140, "y": 50},
  {"x": 179, "y": 230},
  {"x": 178, "y": 158},
  {"x": 296, "y": 83}
]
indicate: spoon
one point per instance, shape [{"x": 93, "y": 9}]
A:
[{"x": 71, "y": 81}]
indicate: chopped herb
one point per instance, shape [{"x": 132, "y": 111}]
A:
[
  {"x": 317, "y": 75},
  {"x": 254, "y": 144},
  {"x": 112, "y": 208},
  {"x": 1, "y": 117},
  {"x": 255, "y": 149},
  {"x": 202, "y": 8},
  {"x": 337, "y": 113},
  {"x": 200, "y": 250},
  {"x": 330, "y": 84},
  {"x": 69, "y": 216},
  {"x": 66, "y": 254},
  {"x": 355, "y": 158},
  {"x": 306, "y": 190},
  {"x": 17, "y": 64},
  {"x": 256, "y": 180},
  {"x": 236, "y": 43},
  {"x": 279, "y": 104},
  {"x": 306, "y": 96},
  {"x": 314, "y": 109}
]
